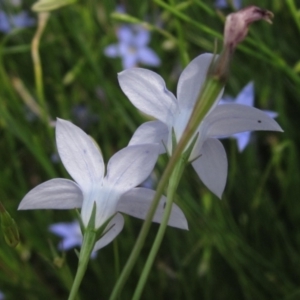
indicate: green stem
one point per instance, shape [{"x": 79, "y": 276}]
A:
[
  {"x": 181, "y": 42},
  {"x": 38, "y": 71},
  {"x": 205, "y": 100},
  {"x": 293, "y": 10},
  {"x": 88, "y": 243},
  {"x": 173, "y": 183}
]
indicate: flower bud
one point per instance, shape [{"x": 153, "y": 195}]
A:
[
  {"x": 236, "y": 29},
  {"x": 9, "y": 228},
  {"x": 236, "y": 25}
]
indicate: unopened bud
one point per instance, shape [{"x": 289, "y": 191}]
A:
[
  {"x": 236, "y": 29},
  {"x": 9, "y": 228},
  {"x": 236, "y": 25}
]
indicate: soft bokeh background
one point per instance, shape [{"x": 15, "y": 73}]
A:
[{"x": 246, "y": 246}]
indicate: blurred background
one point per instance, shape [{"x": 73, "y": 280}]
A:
[{"x": 245, "y": 246}]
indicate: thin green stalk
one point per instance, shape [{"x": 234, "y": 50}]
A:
[
  {"x": 88, "y": 243},
  {"x": 207, "y": 96},
  {"x": 294, "y": 12},
  {"x": 146, "y": 225},
  {"x": 181, "y": 43},
  {"x": 173, "y": 184},
  {"x": 130, "y": 19},
  {"x": 38, "y": 72}
]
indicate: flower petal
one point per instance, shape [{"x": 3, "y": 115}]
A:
[
  {"x": 211, "y": 166},
  {"x": 136, "y": 203},
  {"x": 228, "y": 119},
  {"x": 147, "y": 91},
  {"x": 129, "y": 59},
  {"x": 131, "y": 166},
  {"x": 125, "y": 34},
  {"x": 115, "y": 226},
  {"x": 191, "y": 80},
  {"x": 70, "y": 242},
  {"x": 246, "y": 95},
  {"x": 53, "y": 194},
  {"x": 151, "y": 132},
  {"x": 142, "y": 36},
  {"x": 112, "y": 50},
  {"x": 79, "y": 154},
  {"x": 242, "y": 139},
  {"x": 148, "y": 57},
  {"x": 66, "y": 229},
  {"x": 271, "y": 114}
]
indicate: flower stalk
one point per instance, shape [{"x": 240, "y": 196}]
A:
[
  {"x": 172, "y": 187},
  {"x": 88, "y": 244},
  {"x": 38, "y": 71},
  {"x": 212, "y": 87},
  {"x": 207, "y": 96}
]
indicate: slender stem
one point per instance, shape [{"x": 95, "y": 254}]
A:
[
  {"x": 181, "y": 43},
  {"x": 84, "y": 256},
  {"x": 206, "y": 99},
  {"x": 173, "y": 183},
  {"x": 293, "y": 9},
  {"x": 38, "y": 72}
]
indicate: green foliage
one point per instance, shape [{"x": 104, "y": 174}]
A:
[{"x": 246, "y": 246}]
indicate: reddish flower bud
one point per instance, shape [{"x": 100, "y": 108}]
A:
[{"x": 236, "y": 25}]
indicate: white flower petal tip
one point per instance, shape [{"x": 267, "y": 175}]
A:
[
  {"x": 228, "y": 119},
  {"x": 212, "y": 166},
  {"x": 151, "y": 132},
  {"x": 79, "y": 154},
  {"x": 136, "y": 203},
  {"x": 53, "y": 194},
  {"x": 113, "y": 228},
  {"x": 131, "y": 166},
  {"x": 192, "y": 79},
  {"x": 148, "y": 93}
]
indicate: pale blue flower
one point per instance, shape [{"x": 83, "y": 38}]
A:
[
  {"x": 147, "y": 91},
  {"x": 132, "y": 47},
  {"x": 237, "y": 4},
  {"x": 2, "y": 297},
  {"x": 71, "y": 235},
  {"x": 245, "y": 97},
  {"x": 20, "y": 20},
  {"x": 110, "y": 190}
]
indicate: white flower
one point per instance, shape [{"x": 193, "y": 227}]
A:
[
  {"x": 112, "y": 193},
  {"x": 245, "y": 97},
  {"x": 147, "y": 91}
]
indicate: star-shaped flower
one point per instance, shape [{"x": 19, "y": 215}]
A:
[
  {"x": 71, "y": 235},
  {"x": 20, "y": 20},
  {"x": 225, "y": 3},
  {"x": 147, "y": 91},
  {"x": 132, "y": 47},
  {"x": 115, "y": 192},
  {"x": 245, "y": 97}
]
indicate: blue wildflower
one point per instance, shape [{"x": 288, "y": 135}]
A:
[
  {"x": 20, "y": 20},
  {"x": 132, "y": 47},
  {"x": 245, "y": 97},
  {"x": 237, "y": 4},
  {"x": 71, "y": 235},
  {"x": 1, "y": 296}
]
